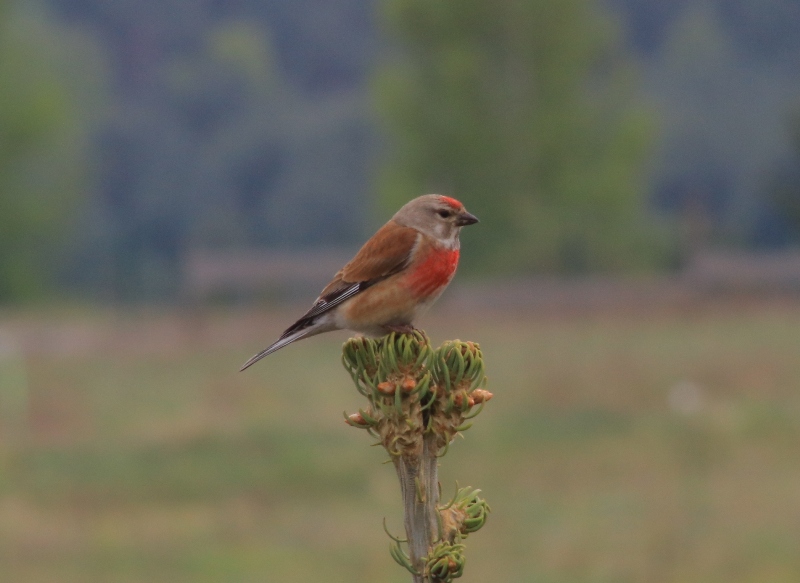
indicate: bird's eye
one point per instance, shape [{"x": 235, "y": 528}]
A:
[{"x": 444, "y": 214}]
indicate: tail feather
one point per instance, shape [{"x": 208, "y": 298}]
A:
[{"x": 284, "y": 340}]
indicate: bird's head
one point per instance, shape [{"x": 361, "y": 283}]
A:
[{"x": 438, "y": 216}]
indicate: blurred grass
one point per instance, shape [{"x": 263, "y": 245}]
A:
[{"x": 150, "y": 464}]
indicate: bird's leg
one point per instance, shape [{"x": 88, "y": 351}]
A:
[{"x": 400, "y": 328}]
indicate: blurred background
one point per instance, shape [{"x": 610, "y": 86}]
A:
[{"x": 179, "y": 178}]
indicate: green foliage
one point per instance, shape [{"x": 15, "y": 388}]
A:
[
  {"x": 467, "y": 513},
  {"x": 42, "y": 146},
  {"x": 414, "y": 390},
  {"x": 419, "y": 400},
  {"x": 524, "y": 111},
  {"x": 446, "y": 562}
]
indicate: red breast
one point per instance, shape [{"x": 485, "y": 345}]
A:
[{"x": 434, "y": 271}]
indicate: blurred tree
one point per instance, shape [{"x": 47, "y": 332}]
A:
[
  {"x": 768, "y": 29},
  {"x": 234, "y": 124},
  {"x": 43, "y": 153},
  {"x": 724, "y": 126},
  {"x": 178, "y": 163},
  {"x": 723, "y": 73},
  {"x": 648, "y": 20},
  {"x": 525, "y": 111},
  {"x": 780, "y": 222}
]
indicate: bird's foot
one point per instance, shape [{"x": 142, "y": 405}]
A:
[{"x": 400, "y": 329}]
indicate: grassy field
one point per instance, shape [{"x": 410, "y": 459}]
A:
[{"x": 638, "y": 447}]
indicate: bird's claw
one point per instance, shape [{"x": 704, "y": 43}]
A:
[{"x": 400, "y": 329}]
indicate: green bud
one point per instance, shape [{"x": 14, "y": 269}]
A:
[
  {"x": 445, "y": 562},
  {"x": 458, "y": 365}
]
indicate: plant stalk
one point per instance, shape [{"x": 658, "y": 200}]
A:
[{"x": 419, "y": 484}]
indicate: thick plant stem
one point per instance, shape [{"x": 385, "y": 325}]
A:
[
  {"x": 419, "y": 400},
  {"x": 419, "y": 484}
]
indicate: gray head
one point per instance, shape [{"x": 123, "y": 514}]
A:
[{"x": 438, "y": 216}]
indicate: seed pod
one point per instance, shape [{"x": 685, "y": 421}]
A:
[
  {"x": 356, "y": 420},
  {"x": 481, "y": 395},
  {"x": 386, "y": 388}
]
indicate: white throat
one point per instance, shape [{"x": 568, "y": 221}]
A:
[{"x": 451, "y": 242}]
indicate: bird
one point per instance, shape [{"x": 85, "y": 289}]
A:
[{"x": 397, "y": 274}]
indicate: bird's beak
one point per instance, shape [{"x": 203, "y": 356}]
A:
[{"x": 465, "y": 218}]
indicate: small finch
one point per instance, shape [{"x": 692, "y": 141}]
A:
[{"x": 393, "y": 278}]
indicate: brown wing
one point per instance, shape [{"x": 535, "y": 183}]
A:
[{"x": 386, "y": 253}]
